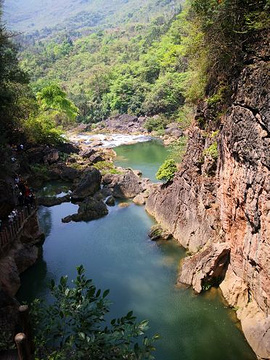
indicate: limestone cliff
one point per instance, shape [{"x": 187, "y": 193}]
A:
[{"x": 222, "y": 195}]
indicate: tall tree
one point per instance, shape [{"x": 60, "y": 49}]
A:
[{"x": 14, "y": 93}]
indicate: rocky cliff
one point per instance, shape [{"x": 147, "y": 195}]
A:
[
  {"x": 220, "y": 199},
  {"x": 22, "y": 254}
]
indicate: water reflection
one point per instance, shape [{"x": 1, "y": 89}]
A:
[
  {"x": 147, "y": 157},
  {"x": 35, "y": 281},
  {"x": 45, "y": 220}
]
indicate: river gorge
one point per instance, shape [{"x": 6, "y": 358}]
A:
[{"x": 141, "y": 275}]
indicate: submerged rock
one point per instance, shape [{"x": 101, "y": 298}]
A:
[
  {"x": 124, "y": 205},
  {"x": 89, "y": 209}
]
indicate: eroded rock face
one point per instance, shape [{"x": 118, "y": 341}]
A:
[
  {"x": 9, "y": 315},
  {"x": 22, "y": 254},
  {"x": 187, "y": 207},
  {"x": 206, "y": 268},
  {"x": 228, "y": 201},
  {"x": 255, "y": 323}
]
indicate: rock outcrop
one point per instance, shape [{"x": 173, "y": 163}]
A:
[
  {"x": 88, "y": 185},
  {"x": 53, "y": 200},
  {"x": 126, "y": 185},
  {"x": 221, "y": 195},
  {"x": 89, "y": 209},
  {"x": 206, "y": 268},
  {"x": 124, "y": 123}
]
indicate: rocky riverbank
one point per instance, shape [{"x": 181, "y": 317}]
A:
[{"x": 94, "y": 183}]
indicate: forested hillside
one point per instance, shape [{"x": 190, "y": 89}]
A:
[
  {"x": 137, "y": 67},
  {"x": 155, "y": 59}
]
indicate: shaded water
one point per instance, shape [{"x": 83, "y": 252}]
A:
[{"x": 117, "y": 254}]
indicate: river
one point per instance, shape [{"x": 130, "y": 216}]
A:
[{"x": 117, "y": 254}]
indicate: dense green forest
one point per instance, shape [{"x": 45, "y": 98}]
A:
[
  {"x": 160, "y": 63},
  {"x": 135, "y": 67}
]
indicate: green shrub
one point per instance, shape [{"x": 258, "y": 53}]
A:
[
  {"x": 73, "y": 325},
  {"x": 212, "y": 150},
  {"x": 40, "y": 171},
  {"x": 167, "y": 170}
]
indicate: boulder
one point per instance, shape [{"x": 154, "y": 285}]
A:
[
  {"x": 206, "y": 268},
  {"x": 173, "y": 129},
  {"x": 63, "y": 172},
  {"x": 68, "y": 148},
  {"x": 93, "y": 159},
  {"x": 88, "y": 185},
  {"x": 126, "y": 185},
  {"x": 85, "y": 154},
  {"x": 89, "y": 209},
  {"x": 25, "y": 256},
  {"x": 139, "y": 199}
]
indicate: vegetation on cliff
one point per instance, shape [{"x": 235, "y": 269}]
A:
[{"x": 218, "y": 39}]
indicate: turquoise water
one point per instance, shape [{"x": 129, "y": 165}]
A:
[
  {"x": 145, "y": 156},
  {"x": 117, "y": 254}
]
